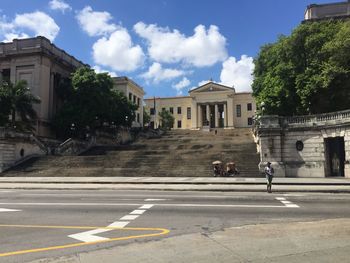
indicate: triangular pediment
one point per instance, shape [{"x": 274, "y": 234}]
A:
[{"x": 211, "y": 87}]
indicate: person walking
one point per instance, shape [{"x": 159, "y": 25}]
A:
[{"x": 269, "y": 176}]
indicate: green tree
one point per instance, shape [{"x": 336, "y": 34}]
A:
[
  {"x": 166, "y": 119},
  {"x": 91, "y": 103},
  {"x": 146, "y": 117},
  {"x": 17, "y": 99},
  {"x": 306, "y": 72}
]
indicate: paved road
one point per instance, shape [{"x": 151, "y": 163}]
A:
[{"x": 52, "y": 223}]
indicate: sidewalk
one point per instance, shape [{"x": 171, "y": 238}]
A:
[{"x": 238, "y": 184}]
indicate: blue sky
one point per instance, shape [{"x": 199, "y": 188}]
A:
[{"x": 166, "y": 46}]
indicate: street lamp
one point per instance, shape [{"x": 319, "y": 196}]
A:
[{"x": 262, "y": 106}]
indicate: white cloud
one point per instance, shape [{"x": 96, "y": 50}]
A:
[
  {"x": 38, "y": 22},
  {"x": 9, "y": 37},
  {"x": 156, "y": 73},
  {"x": 181, "y": 85},
  {"x": 95, "y": 23},
  {"x": 201, "y": 83},
  {"x": 98, "y": 69},
  {"x": 29, "y": 24},
  {"x": 203, "y": 48},
  {"x": 238, "y": 73},
  {"x": 118, "y": 52},
  {"x": 59, "y": 5}
]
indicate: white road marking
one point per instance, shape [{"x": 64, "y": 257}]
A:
[
  {"x": 119, "y": 224},
  {"x": 129, "y": 217},
  {"x": 9, "y": 210},
  {"x": 146, "y": 206},
  {"x": 143, "y": 206},
  {"x": 137, "y": 212},
  {"x": 287, "y": 203},
  {"x": 154, "y": 199},
  {"x": 90, "y": 236}
]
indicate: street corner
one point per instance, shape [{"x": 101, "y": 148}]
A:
[{"x": 123, "y": 234}]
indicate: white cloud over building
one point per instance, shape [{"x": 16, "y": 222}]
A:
[
  {"x": 95, "y": 23},
  {"x": 29, "y": 24},
  {"x": 203, "y": 48},
  {"x": 118, "y": 52},
  {"x": 157, "y": 73},
  {"x": 238, "y": 73}
]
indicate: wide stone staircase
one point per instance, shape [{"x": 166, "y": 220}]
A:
[{"x": 177, "y": 153}]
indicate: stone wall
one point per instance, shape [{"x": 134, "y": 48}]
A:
[
  {"x": 278, "y": 140},
  {"x": 16, "y": 147}
]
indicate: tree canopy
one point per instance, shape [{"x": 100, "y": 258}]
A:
[
  {"x": 91, "y": 103},
  {"x": 166, "y": 119},
  {"x": 17, "y": 99},
  {"x": 306, "y": 72}
]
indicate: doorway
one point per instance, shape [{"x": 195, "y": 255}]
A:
[{"x": 335, "y": 156}]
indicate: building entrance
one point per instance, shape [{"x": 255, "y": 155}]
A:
[{"x": 335, "y": 156}]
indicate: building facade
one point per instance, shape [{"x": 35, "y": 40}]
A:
[
  {"x": 42, "y": 65},
  {"x": 306, "y": 146},
  {"x": 211, "y": 105},
  {"x": 326, "y": 11},
  {"x": 134, "y": 93}
]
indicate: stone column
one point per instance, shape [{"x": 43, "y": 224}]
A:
[
  {"x": 207, "y": 117},
  {"x": 216, "y": 116},
  {"x": 199, "y": 116},
  {"x": 225, "y": 115},
  {"x": 230, "y": 122}
]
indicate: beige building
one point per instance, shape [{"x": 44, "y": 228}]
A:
[
  {"x": 326, "y": 11},
  {"x": 211, "y": 105},
  {"x": 42, "y": 65},
  {"x": 134, "y": 93}
]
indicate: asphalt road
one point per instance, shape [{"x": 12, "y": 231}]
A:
[{"x": 52, "y": 223}]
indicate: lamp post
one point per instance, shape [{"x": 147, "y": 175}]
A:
[{"x": 262, "y": 107}]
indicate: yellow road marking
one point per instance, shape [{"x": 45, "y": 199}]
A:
[{"x": 162, "y": 231}]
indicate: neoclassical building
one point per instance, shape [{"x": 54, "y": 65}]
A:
[
  {"x": 43, "y": 65},
  {"x": 211, "y": 105},
  {"x": 134, "y": 93}
]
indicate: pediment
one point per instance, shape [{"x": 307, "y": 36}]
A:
[{"x": 211, "y": 87}]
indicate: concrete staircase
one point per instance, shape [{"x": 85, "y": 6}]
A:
[{"x": 177, "y": 153}]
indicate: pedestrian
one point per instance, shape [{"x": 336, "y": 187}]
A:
[{"x": 269, "y": 176}]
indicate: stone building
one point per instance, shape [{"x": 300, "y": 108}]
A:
[
  {"x": 306, "y": 146},
  {"x": 134, "y": 93},
  {"x": 211, "y": 105},
  {"x": 326, "y": 11},
  {"x": 42, "y": 65}
]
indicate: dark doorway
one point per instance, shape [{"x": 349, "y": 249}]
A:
[
  {"x": 335, "y": 156},
  {"x": 212, "y": 116}
]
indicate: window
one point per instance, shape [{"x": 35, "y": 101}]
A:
[
  {"x": 178, "y": 110},
  {"x": 188, "y": 113},
  {"x": 130, "y": 96},
  {"x": 152, "y": 111},
  {"x": 138, "y": 117},
  {"x": 179, "y": 124},
  {"x": 171, "y": 109},
  {"x": 163, "y": 109},
  {"x": 250, "y": 121},
  {"x": 138, "y": 101},
  {"x": 249, "y": 107},
  {"x": 134, "y": 99},
  {"x": 6, "y": 75},
  {"x": 238, "y": 110}
]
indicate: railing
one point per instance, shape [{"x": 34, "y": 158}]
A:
[{"x": 314, "y": 119}]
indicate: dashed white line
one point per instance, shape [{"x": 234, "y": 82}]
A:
[
  {"x": 129, "y": 217},
  {"x": 287, "y": 203},
  {"x": 90, "y": 236},
  {"x": 137, "y": 212}
]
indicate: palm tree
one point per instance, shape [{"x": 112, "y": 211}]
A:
[{"x": 19, "y": 100}]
